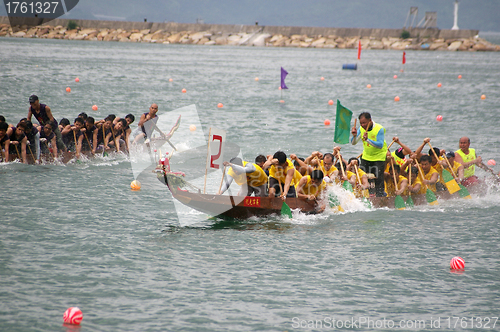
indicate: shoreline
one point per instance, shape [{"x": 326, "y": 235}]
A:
[{"x": 248, "y": 35}]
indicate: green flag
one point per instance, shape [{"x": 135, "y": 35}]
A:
[{"x": 342, "y": 124}]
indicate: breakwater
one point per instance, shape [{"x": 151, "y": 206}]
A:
[{"x": 251, "y": 35}]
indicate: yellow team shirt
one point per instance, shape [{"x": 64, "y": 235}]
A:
[
  {"x": 254, "y": 179},
  {"x": 413, "y": 183},
  {"x": 310, "y": 189},
  {"x": 389, "y": 185},
  {"x": 323, "y": 169},
  {"x": 280, "y": 175},
  {"x": 428, "y": 177}
]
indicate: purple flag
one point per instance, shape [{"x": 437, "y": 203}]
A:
[{"x": 283, "y": 76}]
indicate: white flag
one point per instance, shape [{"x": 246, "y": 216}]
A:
[{"x": 216, "y": 140}]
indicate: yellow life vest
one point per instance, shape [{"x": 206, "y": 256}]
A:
[
  {"x": 254, "y": 179},
  {"x": 469, "y": 171},
  {"x": 371, "y": 153},
  {"x": 310, "y": 189},
  {"x": 280, "y": 175}
]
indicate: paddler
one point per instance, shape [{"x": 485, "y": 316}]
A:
[
  {"x": 310, "y": 187},
  {"x": 458, "y": 169},
  {"x": 250, "y": 176},
  {"x": 467, "y": 157},
  {"x": 373, "y": 159},
  {"x": 394, "y": 173},
  {"x": 281, "y": 176},
  {"x": 44, "y": 115},
  {"x": 431, "y": 176}
]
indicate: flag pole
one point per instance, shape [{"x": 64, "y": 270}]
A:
[{"x": 206, "y": 166}]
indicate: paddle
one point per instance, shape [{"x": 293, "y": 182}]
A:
[
  {"x": 17, "y": 152},
  {"x": 399, "y": 203},
  {"x": 104, "y": 153},
  {"x": 333, "y": 200},
  {"x": 346, "y": 184},
  {"x": 88, "y": 142},
  {"x": 31, "y": 152},
  {"x": 364, "y": 192},
  {"x": 409, "y": 200},
  {"x": 429, "y": 195},
  {"x": 463, "y": 192},
  {"x": 486, "y": 168},
  {"x": 222, "y": 179},
  {"x": 285, "y": 209},
  {"x": 448, "y": 179}
]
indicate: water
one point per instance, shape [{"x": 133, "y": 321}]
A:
[{"x": 75, "y": 235}]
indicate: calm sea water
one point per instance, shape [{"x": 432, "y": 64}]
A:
[{"x": 76, "y": 235}]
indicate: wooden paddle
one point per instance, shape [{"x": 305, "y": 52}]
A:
[
  {"x": 346, "y": 184},
  {"x": 449, "y": 180},
  {"x": 31, "y": 152},
  {"x": 222, "y": 179},
  {"x": 364, "y": 192},
  {"x": 333, "y": 200},
  {"x": 88, "y": 142},
  {"x": 409, "y": 200},
  {"x": 429, "y": 195},
  {"x": 399, "y": 202},
  {"x": 486, "y": 168},
  {"x": 285, "y": 209},
  {"x": 463, "y": 192},
  {"x": 104, "y": 153}
]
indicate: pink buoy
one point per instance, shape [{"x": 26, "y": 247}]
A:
[
  {"x": 330, "y": 102},
  {"x": 73, "y": 316},
  {"x": 94, "y": 108},
  {"x": 327, "y": 122},
  {"x": 395, "y": 76},
  {"x": 77, "y": 80},
  {"x": 68, "y": 89},
  {"x": 396, "y": 98},
  {"x": 439, "y": 118},
  {"x": 492, "y": 162},
  {"x": 220, "y": 105},
  {"x": 457, "y": 263}
]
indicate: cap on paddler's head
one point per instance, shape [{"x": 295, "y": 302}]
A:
[
  {"x": 450, "y": 154},
  {"x": 33, "y": 98},
  {"x": 400, "y": 153}
]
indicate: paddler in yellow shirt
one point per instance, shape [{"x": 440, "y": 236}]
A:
[
  {"x": 311, "y": 187},
  {"x": 416, "y": 186},
  {"x": 281, "y": 176},
  {"x": 353, "y": 177},
  {"x": 431, "y": 176},
  {"x": 249, "y": 176}
]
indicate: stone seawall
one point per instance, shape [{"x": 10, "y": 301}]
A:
[{"x": 252, "y": 35}]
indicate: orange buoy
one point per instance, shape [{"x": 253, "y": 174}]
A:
[
  {"x": 170, "y": 80},
  {"x": 327, "y": 122},
  {"x": 256, "y": 79},
  {"x": 396, "y": 98},
  {"x": 192, "y": 127},
  {"x": 183, "y": 90},
  {"x": 330, "y": 102},
  {"x": 94, "y": 108},
  {"x": 368, "y": 86},
  {"x": 459, "y": 76},
  {"x": 282, "y": 101},
  {"x": 439, "y": 85},
  {"x": 322, "y": 78},
  {"x": 220, "y": 105},
  {"x": 483, "y": 97},
  {"x": 68, "y": 89},
  {"x": 135, "y": 185}
]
